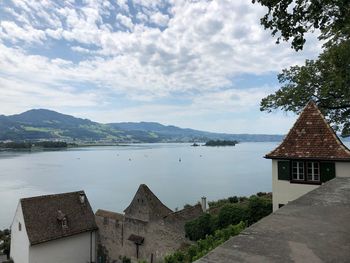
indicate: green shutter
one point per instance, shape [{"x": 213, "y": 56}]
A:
[
  {"x": 327, "y": 171},
  {"x": 284, "y": 170}
]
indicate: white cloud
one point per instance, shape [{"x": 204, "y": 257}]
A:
[
  {"x": 123, "y": 5},
  {"x": 11, "y": 31},
  {"x": 200, "y": 47},
  {"x": 202, "y": 116},
  {"x": 125, "y": 21},
  {"x": 159, "y": 19},
  {"x": 16, "y": 97}
]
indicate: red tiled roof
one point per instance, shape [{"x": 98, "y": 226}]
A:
[{"x": 311, "y": 137}]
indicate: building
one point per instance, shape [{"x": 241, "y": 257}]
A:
[
  {"x": 54, "y": 228},
  {"x": 310, "y": 155},
  {"x": 148, "y": 230}
]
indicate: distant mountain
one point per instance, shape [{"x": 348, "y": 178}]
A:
[
  {"x": 191, "y": 134},
  {"x": 48, "y": 117},
  {"x": 42, "y": 124}
]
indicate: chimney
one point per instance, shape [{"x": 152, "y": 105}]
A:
[
  {"x": 82, "y": 198},
  {"x": 204, "y": 204}
]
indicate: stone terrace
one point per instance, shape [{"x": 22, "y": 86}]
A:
[{"x": 313, "y": 228}]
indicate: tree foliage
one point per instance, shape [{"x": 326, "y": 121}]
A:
[
  {"x": 5, "y": 236},
  {"x": 325, "y": 80},
  {"x": 249, "y": 210},
  {"x": 232, "y": 214},
  {"x": 258, "y": 208},
  {"x": 290, "y": 20},
  {"x": 204, "y": 225},
  {"x": 203, "y": 246},
  {"x": 220, "y": 143}
]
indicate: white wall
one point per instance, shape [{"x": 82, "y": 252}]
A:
[
  {"x": 19, "y": 239},
  {"x": 73, "y": 249},
  {"x": 342, "y": 169},
  {"x": 283, "y": 191}
]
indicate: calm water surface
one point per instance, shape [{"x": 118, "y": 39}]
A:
[{"x": 111, "y": 175}]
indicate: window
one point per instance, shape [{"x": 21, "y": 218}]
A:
[
  {"x": 313, "y": 171},
  {"x": 19, "y": 226},
  {"x": 280, "y": 205},
  {"x": 105, "y": 220},
  {"x": 298, "y": 171},
  {"x": 308, "y": 172},
  {"x": 64, "y": 223}
]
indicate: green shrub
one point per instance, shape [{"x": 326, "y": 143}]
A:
[
  {"x": 232, "y": 214},
  {"x": 233, "y": 199},
  {"x": 5, "y": 236},
  {"x": 200, "y": 227},
  {"x": 203, "y": 246},
  {"x": 126, "y": 260},
  {"x": 259, "y": 207}
]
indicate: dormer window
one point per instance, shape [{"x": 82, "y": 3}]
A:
[
  {"x": 82, "y": 198},
  {"x": 62, "y": 218},
  {"x": 64, "y": 223}
]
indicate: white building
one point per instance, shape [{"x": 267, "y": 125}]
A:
[
  {"x": 310, "y": 155},
  {"x": 54, "y": 229}
]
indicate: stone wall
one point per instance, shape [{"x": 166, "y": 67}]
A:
[{"x": 161, "y": 236}]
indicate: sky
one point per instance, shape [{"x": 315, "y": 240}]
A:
[{"x": 192, "y": 63}]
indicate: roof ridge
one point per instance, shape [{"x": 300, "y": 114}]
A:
[
  {"x": 50, "y": 195},
  {"x": 149, "y": 191}
]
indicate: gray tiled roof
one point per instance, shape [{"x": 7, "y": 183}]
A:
[
  {"x": 110, "y": 214},
  {"x": 43, "y": 216}
]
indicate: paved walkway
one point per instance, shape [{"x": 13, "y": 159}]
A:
[{"x": 313, "y": 228}]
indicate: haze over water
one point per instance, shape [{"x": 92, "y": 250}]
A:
[{"x": 110, "y": 176}]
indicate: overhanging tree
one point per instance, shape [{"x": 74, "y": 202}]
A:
[
  {"x": 290, "y": 20},
  {"x": 325, "y": 80}
]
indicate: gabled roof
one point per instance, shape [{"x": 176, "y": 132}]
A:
[
  {"x": 109, "y": 214},
  {"x": 188, "y": 213},
  {"x": 43, "y": 216},
  {"x": 311, "y": 137},
  {"x": 155, "y": 207}
]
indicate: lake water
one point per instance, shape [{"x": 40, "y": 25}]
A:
[{"x": 110, "y": 176}]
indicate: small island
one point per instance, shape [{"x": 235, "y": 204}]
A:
[{"x": 220, "y": 143}]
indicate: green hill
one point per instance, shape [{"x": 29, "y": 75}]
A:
[{"x": 42, "y": 124}]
